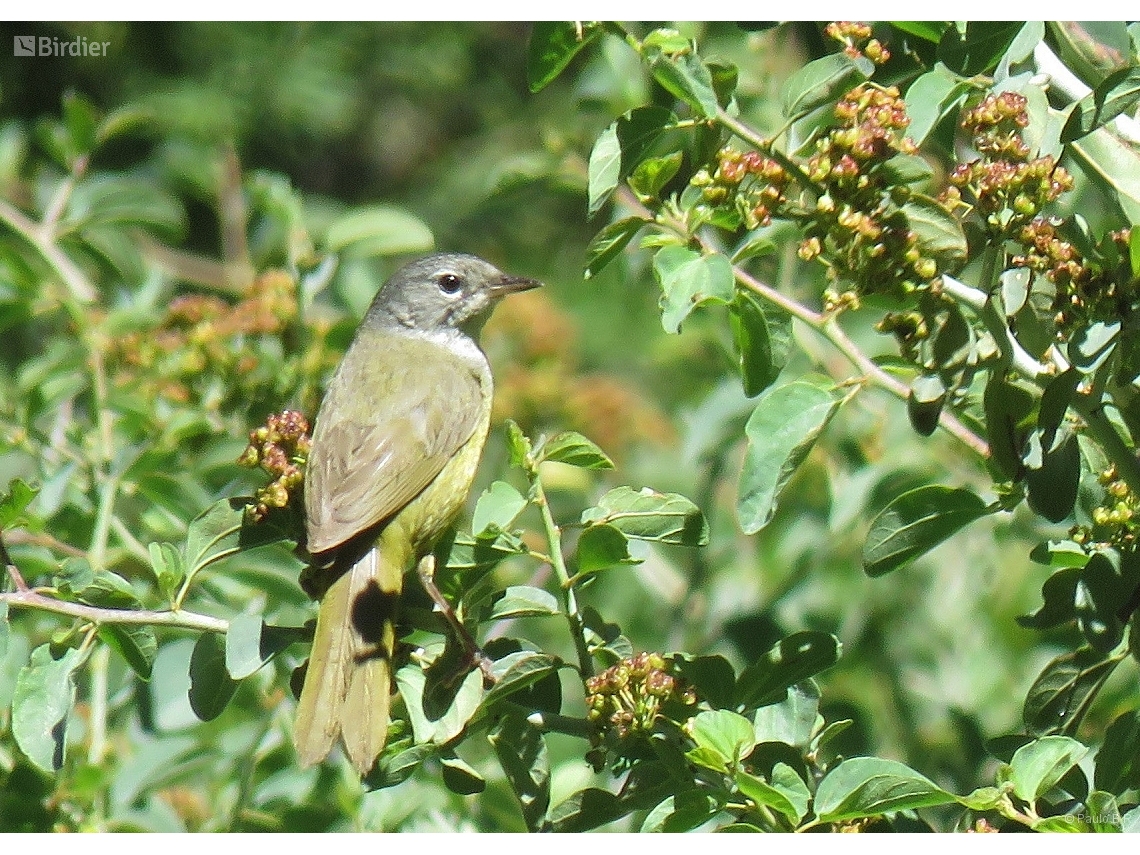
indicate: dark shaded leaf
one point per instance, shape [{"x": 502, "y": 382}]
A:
[
  {"x": 461, "y": 778},
  {"x": 794, "y": 659},
  {"x": 1118, "y": 760},
  {"x": 980, "y": 48},
  {"x": 1059, "y": 595},
  {"x": 211, "y": 685},
  {"x": 519, "y": 671},
  {"x": 711, "y": 677},
  {"x": 607, "y": 244},
  {"x": 1052, "y": 488},
  {"x": 1008, "y": 408},
  {"x": 521, "y": 749},
  {"x": 915, "y": 523},
  {"x": 587, "y": 809},
  {"x": 1060, "y": 696}
]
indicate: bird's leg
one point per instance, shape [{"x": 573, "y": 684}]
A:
[{"x": 426, "y": 571}]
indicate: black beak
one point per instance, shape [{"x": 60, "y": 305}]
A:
[{"x": 514, "y": 284}]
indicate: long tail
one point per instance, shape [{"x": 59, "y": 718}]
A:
[{"x": 347, "y": 689}]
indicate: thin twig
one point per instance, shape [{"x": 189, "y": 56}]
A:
[
  {"x": 68, "y": 270},
  {"x": 26, "y": 598}
]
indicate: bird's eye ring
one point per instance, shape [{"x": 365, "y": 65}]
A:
[{"x": 449, "y": 283}]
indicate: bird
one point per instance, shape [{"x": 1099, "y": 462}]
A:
[{"x": 397, "y": 440}]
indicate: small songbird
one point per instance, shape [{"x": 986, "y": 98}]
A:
[{"x": 395, "y": 448}]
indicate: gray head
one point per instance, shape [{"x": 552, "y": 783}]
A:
[{"x": 443, "y": 291}]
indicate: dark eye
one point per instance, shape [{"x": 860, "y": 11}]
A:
[{"x": 449, "y": 283}]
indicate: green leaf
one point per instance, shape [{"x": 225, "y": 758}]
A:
[
  {"x": 586, "y": 810},
  {"x": 378, "y": 230},
  {"x": 104, "y": 200},
  {"x": 575, "y": 450},
  {"x": 793, "y": 720},
  {"x": 412, "y": 681},
  {"x": 689, "y": 279},
  {"x": 1036, "y": 767},
  {"x": 137, "y": 644},
  {"x": 1115, "y": 165},
  {"x": 1052, "y": 488},
  {"x": 250, "y": 643},
  {"x": 1114, "y": 95},
  {"x": 42, "y": 704},
  {"x": 820, "y": 82},
  {"x": 1090, "y": 346},
  {"x": 794, "y": 659},
  {"x": 620, "y": 148},
  {"x": 518, "y": 445},
  {"x": 939, "y": 232},
  {"x": 723, "y": 738},
  {"x": 1059, "y": 596},
  {"x": 604, "y": 170},
  {"x": 607, "y": 244},
  {"x": 930, "y": 31},
  {"x": 870, "y": 786},
  {"x": 1099, "y": 592},
  {"x": 924, "y": 403},
  {"x": 1103, "y": 813},
  {"x": 1064, "y": 690},
  {"x": 219, "y": 532},
  {"x": 787, "y": 794},
  {"x": 683, "y": 75},
  {"x": 931, "y": 98},
  {"x": 711, "y": 677},
  {"x": 521, "y": 749},
  {"x": 524, "y": 601},
  {"x": 14, "y": 504},
  {"x": 763, "y": 337},
  {"x": 169, "y": 572},
  {"x": 601, "y": 547},
  {"x": 211, "y": 686},
  {"x": 1008, "y": 408},
  {"x": 1118, "y": 760},
  {"x": 781, "y": 431},
  {"x": 915, "y": 523},
  {"x": 497, "y": 509},
  {"x": 461, "y": 778},
  {"x": 651, "y": 175},
  {"x": 518, "y": 671},
  {"x": 648, "y": 515},
  {"x": 684, "y": 811},
  {"x": 395, "y": 769},
  {"x": 553, "y": 44},
  {"x": 980, "y": 48}
]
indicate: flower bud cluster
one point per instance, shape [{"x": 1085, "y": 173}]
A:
[
  {"x": 203, "y": 339},
  {"x": 1116, "y": 522},
  {"x": 856, "y": 40},
  {"x": 626, "y": 698},
  {"x": 756, "y": 184},
  {"x": 280, "y": 448},
  {"x": 1005, "y": 185}
]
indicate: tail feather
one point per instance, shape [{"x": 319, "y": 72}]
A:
[{"x": 348, "y": 682}]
